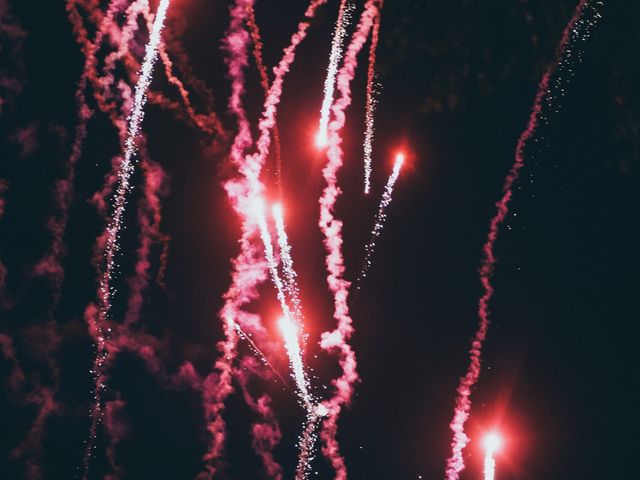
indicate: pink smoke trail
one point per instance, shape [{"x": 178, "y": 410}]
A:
[
  {"x": 266, "y": 432},
  {"x": 4, "y": 302},
  {"x": 337, "y": 340},
  {"x": 254, "y": 30},
  {"x": 149, "y": 219},
  {"x": 380, "y": 218},
  {"x": 249, "y": 267},
  {"x": 455, "y": 463},
  {"x": 342, "y": 22},
  {"x": 115, "y": 223},
  {"x": 370, "y": 103}
]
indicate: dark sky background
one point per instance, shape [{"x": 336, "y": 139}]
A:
[{"x": 559, "y": 374}]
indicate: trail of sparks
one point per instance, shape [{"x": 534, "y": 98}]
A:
[
  {"x": 370, "y": 104},
  {"x": 571, "y": 33},
  {"x": 380, "y": 218},
  {"x": 291, "y": 286},
  {"x": 342, "y": 22},
  {"x": 249, "y": 268},
  {"x": 337, "y": 340},
  {"x": 492, "y": 443},
  {"x": 489, "y": 466},
  {"x": 291, "y": 337},
  {"x": 115, "y": 224},
  {"x": 288, "y": 328}
]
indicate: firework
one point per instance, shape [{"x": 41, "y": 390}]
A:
[
  {"x": 370, "y": 104},
  {"x": 337, "y": 340},
  {"x": 380, "y": 218},
  {"x": 115, "y": 224},
  {"x": 577, "y": 29},
  {"x": 492, "y": 443},
  {"x": 344, "y": 16}
]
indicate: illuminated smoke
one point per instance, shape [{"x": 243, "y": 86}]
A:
[
  {"x": 342, "y": 22},
  {"x": 578, "y": 29},
  {"x": 337, "y": 340},
  {"x": 380, "y": 217},
  {"x": 370, "y": 107}
]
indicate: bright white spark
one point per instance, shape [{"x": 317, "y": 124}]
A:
[{"x": 344, "y": 17}]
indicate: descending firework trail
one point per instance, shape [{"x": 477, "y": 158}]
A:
[
  {"x": 337, "y": 340},
  {"x": 577, "y": 29},
  {"x": 380, "y": 218},
  {"x": 288, "y": 328},
  {"x": 249, "y": 268},
  {"x": 370, "y": 104},
  {"x": 342, "y": 22},
  {"x": 291, "y": 286},
  {"x": 291, "y": 337},
  {"x": 492, "y": 443},
  {"x": 264, "y": 82},
  {"x": 113, "y": 229}
]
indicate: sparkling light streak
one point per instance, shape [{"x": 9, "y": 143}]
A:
[
  {"x": 115, "y": 224},
  {"x": 336, "y": 341},
  {"x": 380, "y": 217},
  {"x": 291, "y": 286},
  {"x": 342, "y": 22},
  {"x": 577, "y": 29},
  {"x": 492, "y": 442}
]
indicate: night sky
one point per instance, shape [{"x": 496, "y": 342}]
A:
[{"x": 457, "y": 81}]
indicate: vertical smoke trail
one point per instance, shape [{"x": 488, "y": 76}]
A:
[
  {"x": 248, "y": 267},
  {"x": 342, "y": 22},
  {"x": 291, "y": 286},
  {"x": 380, "y": 218},
  {"x": 115, "y": 223},
  {"x": 337, "y": 340},
  {"x": 264, "y": 82},
  {"x": 370, "y": 103},
  {"x": 571, "y": 34}
]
